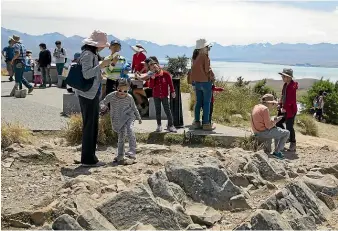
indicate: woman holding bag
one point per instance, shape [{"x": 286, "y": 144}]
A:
[{"x": 89, "y": 100}]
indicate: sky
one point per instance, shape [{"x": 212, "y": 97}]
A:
[{"x": 180, "y": 22}]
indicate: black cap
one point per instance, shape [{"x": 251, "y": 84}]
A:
[
  {"x": 113, "y": 42},
  {"x": 57, "y": 42}
]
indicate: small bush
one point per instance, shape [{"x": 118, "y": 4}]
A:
[
  {"x": 73, "y": 131},
  {"x": 307, "y": 124},
  {"x": 261, "y": 89},
  {"x": 14, "y": 133},
  {"x": 4, "y": 72},
  {"x": 185, "y": 87}
]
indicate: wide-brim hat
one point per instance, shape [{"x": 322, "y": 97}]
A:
[
  {"x": 287, "y": 72},
  {"x": 268, "y": 98},
  {"x": 138, "y": 48},
  {"x": 97, "y": 39},
  {"x": 15, "y": 38},
  {"x": 202, "y": 43}
]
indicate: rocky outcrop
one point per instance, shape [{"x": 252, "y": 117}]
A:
[
  {"x": 202, "y": 214},
  {"x": 203, "y": 180},
  {"x": 66, "y": 222},
  {"x": 268, "y": 220},
  {"x": 139, "y": 205}
]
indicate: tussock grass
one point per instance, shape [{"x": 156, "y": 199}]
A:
[
  {"x": 307, "y": 124},
  {"x": 4, "y": 72},
  {"x": 14, "y": 133}
]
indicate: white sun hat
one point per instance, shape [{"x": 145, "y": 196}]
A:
[
  {"x": 97, "y": 39},
  {"x": 138, "y": 48},
  {"x": 201, "y": 43}
]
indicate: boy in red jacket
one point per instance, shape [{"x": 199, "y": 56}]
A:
[
  {"x": 288, "y": 104},
  {"x": 160, "y": 82}
]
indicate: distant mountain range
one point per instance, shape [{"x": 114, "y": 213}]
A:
[{"x": 322, "y": 54}]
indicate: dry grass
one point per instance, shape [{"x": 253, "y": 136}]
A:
[
  {"x": 14, "y": 133},
  {"x": 307, "y": 124},
  {"x": 73, "y": 131},
  {"x": 4, "y": 72}
]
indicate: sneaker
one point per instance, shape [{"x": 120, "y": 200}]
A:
[
  {"x": 278, "y": 155},
  {"x": 11, "y": 79},
  {"x": 292, "y": 147},
  {"x": 118, "y": 159},
  {"x": 131, "y": 155},
  {"x": 98, "y": 164},
  {"x": 42, "y": 86},
  {"x": 172, "y": 129},
  {"x": 207, "y": 127},
  {"x": 30, "y": 90},
  {"x": 159, "y": 128},
  {"x": 196, "y": 125}
]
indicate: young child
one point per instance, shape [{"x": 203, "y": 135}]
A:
[
  {"x": 37, "y": 73},
  {"x": 160, "y": 83},
  {"x": 123, "y": 113}
]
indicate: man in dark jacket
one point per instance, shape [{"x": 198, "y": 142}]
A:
[{"x": 45, "y": 59}]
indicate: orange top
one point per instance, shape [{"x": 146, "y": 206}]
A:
[
  {"x": 201, "y": 70},
  {"x": 260, "y": 119}
]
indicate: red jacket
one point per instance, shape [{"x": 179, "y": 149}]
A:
[
  {"x": 161, "y": 85},
  {"x": 137, "y": 59},
  {"x": 215, "y": 89},
  {"x": 289, "y": 100}
]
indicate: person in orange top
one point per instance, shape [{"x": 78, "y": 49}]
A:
[
  {"x": 138, "y": 58},
  {"x": 265, "y": 128}
]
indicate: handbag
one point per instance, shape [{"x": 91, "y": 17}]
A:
[{"x": 76, "y": 80}]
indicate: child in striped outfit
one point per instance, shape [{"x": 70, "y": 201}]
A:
[{"x": 123, "y": 113}]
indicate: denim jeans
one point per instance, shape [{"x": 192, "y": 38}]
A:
[
  {"x": 279, "y": 135},
  {"x": 203, "y": 92},
  {"x": 59, "y": 68},
  {"x": 19, "y": 69}
]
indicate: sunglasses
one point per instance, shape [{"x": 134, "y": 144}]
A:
[{"x": 123, "y": 91}]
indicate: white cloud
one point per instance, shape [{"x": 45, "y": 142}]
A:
[{"x": 174, "y": 21}]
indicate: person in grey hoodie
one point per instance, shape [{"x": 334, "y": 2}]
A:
[
  {"x": 60, "y": 56},
  {"x": 89, "y": 100}
]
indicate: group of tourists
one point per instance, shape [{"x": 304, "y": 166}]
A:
[{"x": 19, "y": 60}]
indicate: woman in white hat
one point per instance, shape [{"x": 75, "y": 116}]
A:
[
  {"x": 138, "y": 58},
  {"x": 202, "y": 76},
  {"x": 89, "y": 100}
]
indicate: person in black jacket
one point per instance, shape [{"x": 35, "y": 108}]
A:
[{"x": 45, "y": 59}]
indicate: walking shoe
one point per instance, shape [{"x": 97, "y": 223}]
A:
[
  {"x": 131, "y": 155},
  {"x": 98, "y": 164},
  {"x": 30, "y": 90},
  {"x": 208, "y": 127},
  {"x": 159, "y": 128},
  {"x": 196, "y": 125},
  {"x": 292, "y": 147},
  {"x": 11, "y": 79},
  {"x": 42, "y": 86},
  {"x": 172, "y": 129},
  {"x": 278, "y": 155},
  {"x": 119, "y": 159}
]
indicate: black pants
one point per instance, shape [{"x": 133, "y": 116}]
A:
[
  {"x": 90, "y": 116},
  {"x": 166, "y": 107},
  {"x": 211, "y": 111},
  {"x": 111, "y": 86},
  {"x": 280, "y": 123},
  {"x": 290, "y": 127},
  {"x": 149, "y": 92},
  {"x": 319, "y": 114}
]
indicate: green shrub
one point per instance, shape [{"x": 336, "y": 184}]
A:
[
  {"x": 261, "y": 89},
  {"x": 331, "y": 100},
  {"x": 307, "y": 124},
  {"x": 177, "y": 63}
]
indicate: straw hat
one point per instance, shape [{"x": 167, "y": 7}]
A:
[
  {"x": 201, "y": 43},
  {"x": 97, "y": 39},
  {"x": 268, "y": 98},
  {"x": 15, "y": 38},
  {"x": 138, "y": 48},
  {"x": 287, "y": 72}
]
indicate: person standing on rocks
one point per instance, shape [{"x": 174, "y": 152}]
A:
[
  {"x": 60, "y": 56},
  {"x": 202, "y": 76},
  {"x": 288, "y": 104},
  {"x": 8, "y": 53},
  {"x": 45, "y": 60},
  {"x": 265, "y": 128},
  {"x": 123, "y": 113},
  {"x": 18, "y": 62},
  {"x": 89, "y": 100}
]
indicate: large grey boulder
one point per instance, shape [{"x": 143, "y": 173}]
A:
[
  {"x": 164, "y": 189},
  {"x": 66, "y": 222},
  {"x": 268, "y": 168},
  {"x": 327, "y": 184},
  {"x": 268, "y": 220},
  {"x": 203, "y": 180},
  {"x": 93, "y": 220},
  {"x": 139, "y": 205}
]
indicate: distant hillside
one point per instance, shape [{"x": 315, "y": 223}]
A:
[{"x": 323, "y": 54}]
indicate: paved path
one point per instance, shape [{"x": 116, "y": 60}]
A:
[{"x": 41, "y": 111}]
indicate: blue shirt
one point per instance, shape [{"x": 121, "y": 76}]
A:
[
  {"x": 9, "y": 53},
  {"x": 18, "y": 47}
]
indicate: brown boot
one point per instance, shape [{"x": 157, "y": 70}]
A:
[
  {"x": 208, "y": 127},
  {"x": 196, "y": 125}
]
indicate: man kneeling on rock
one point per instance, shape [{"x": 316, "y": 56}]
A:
[{"x": 265, "y": 128}]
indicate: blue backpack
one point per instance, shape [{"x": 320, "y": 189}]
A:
[{"x": 76, "y": 80}]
